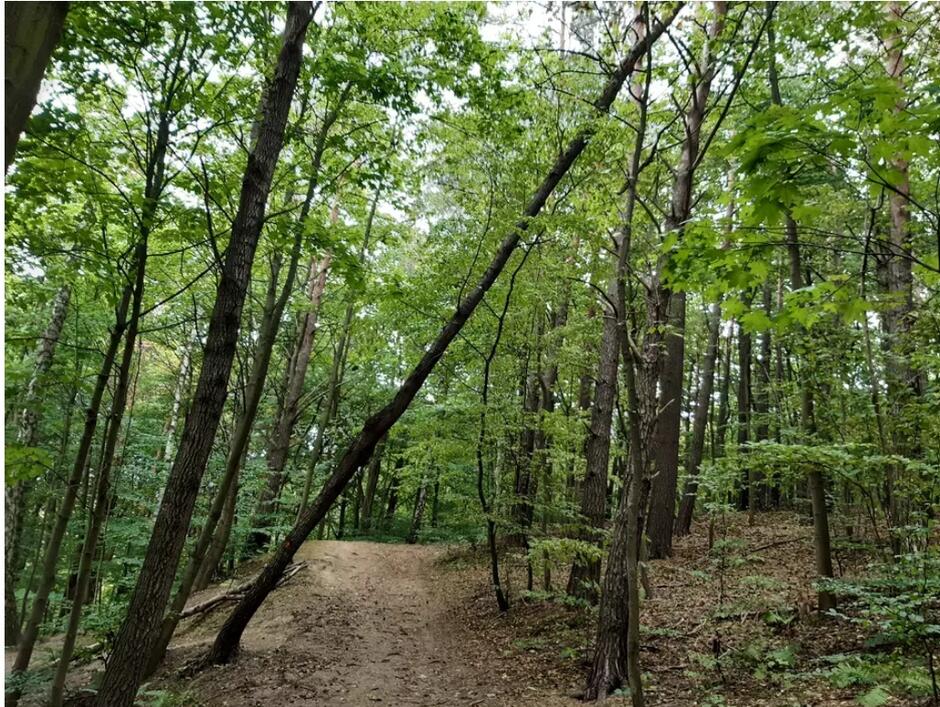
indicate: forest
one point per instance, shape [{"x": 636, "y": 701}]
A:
[{"x": 472, "y": 353}]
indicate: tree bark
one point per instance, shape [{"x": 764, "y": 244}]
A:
[
  {"x": 32, "y": 33},
  {"x": 140, "y": 629},
  {"x": 226, "y": 643}
]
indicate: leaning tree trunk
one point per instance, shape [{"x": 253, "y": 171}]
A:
[
  {"x": 27, "y": 436},
  {"x": 223, "y": 532},
  {"x": 816, "y": 482},
  {"x": 145, "y": 611},
  {"x": 270, "y": 323},
  {"x": 32, "y": 32},
  {"x": 226, "y": 643},
  {"x": 287, "y": 416},
  {"x": 73, "y": 484},
  {"x": 102, "y": 482},
  {"x": 337, "y": 371}
]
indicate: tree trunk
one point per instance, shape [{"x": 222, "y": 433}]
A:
[
  {"x": 616, "y": 650},
  {"x": 223, "y": 531},
  {"x": 145, "y": 611},
  {"x": 27, "y": 436},
  {"x": 74, "y": 483},
  {"x": 904, "y": 382},
  {"x": 524, "y": 492},
  {"x": 287, "y": 416},
  {"x": 179, "y": 392},
  {"x": 761, "y": 405},
  {"x": 585, "y": 576},
  {"x": 744, "y": 413},
  {"x": 724, "y": 404},
  {"x": 421, "y": 500},
  {"x": 393, "y": 487},
  {"x": 817, "y": 485},
  {"x": 699, "y": 422},
  {"x": 328, "y": 411},
  {"x": 226, "y": 643},
  {"x": 103, "y": 480},
  {"x": 665, "y": 477},
  {"x": 666, "y": 444},
  {"x": 32, "y": 33},
  {"x": 372, "y": 482}
]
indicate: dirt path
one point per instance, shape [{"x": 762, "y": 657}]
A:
[{"x": 362, "y": 624}]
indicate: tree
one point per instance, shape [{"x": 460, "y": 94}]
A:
[
  {"x": 32, "y": 32},
  {"x": 226, "y": 643},
  {"x": 139, "y": 631}
]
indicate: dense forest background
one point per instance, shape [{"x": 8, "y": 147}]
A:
[{"x": 561, "y": 282}]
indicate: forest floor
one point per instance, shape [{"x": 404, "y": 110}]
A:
[
  {"x": 366, "y": 623},
  {"x": 362, "y": 623}
]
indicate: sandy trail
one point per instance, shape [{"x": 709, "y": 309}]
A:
[{"x": 362, "y": 624}]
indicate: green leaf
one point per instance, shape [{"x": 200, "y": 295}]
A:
[
  {"x": 25, "y": 463},
  {"x": 756, "y": 320},
  {"x": 876, "y": 697}
]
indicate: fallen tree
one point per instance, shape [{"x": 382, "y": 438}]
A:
[{"x": 236, "y": 593}]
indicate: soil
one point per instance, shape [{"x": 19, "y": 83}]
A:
[{"x": 361, "y": 624}]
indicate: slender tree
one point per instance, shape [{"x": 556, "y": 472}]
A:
[{"x": 145, "y": 612}]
